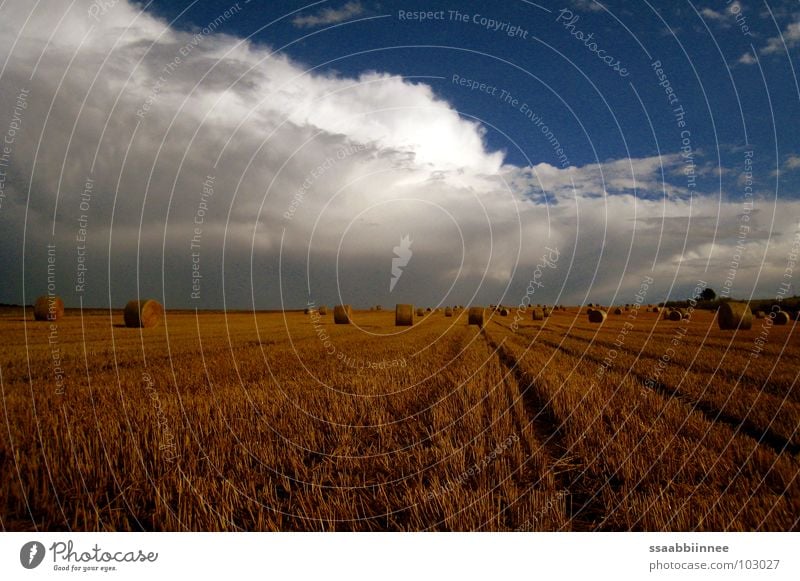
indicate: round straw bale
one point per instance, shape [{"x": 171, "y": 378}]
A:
[
  {"x": 732, "y": 316},
  {"x": 475, "y": 316},
  {"x": 597, "y": 316},
  {"x": 378, "y": 307},
  {"x": 404, "y": 315},
  {"x": 617, "y": 311},
  {"x": 781, "y": 318},
  {"x": 448, "y": 312},
  {"x": 537, "y": 315},
  {"x": 322, "y": 310},
  {"x": 546, "y": 312},
  {"x": 420, "y": 312},
  {"x": 342, "y": 314},
  {"x": 48, "y": 308},
  {"x": 675, "y": 315},
  {"x": 146, "y": 313},
  {"x": 504, "y": 312},
  {"x": 760, "y": 314},
  {"x": 306, "y": 311}
]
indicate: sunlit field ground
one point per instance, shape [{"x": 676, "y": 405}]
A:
[{"x": 286, "y": 422}]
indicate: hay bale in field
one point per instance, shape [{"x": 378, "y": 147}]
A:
[
  {"x": 448, "y": 312},
  {"x": 306, "y": 311},
  {"x": 537, "y": 315},
  {"x": 760, "y": 314},
  {"x": 475, "y": 316},
  {"x": 420, "y": 312},
  {"x": 147, "y": 313},
  {"x": 597, "y": 316},
  {"x": 48, "y": 308},
  {"x": 503, "y": 312},
  {"x": 403, "y": 315},
  {"x": 378, "y": 307},
  {"x": 323, "y": 310},
  {"x": 674, "y": 315},
  {"x": 782, "y": 318},
  {"x": 546, "y": 312},
  {"x": 428, "y": 310},
  {"x": 342, "y": 314},
  {"x": 732, "y": 316},
  {"x": 656, "y": 310},
  {"x": 590, "y": 305},
  {"x": 617, "y": 311}
]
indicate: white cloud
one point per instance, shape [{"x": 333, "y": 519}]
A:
[
  {"x": 790, "y": 37},
  {"x": 329, "y": 15},
  {"x": 747, "y": 59}
]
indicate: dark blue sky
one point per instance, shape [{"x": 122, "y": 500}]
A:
[{"x": 594, "y": 112}]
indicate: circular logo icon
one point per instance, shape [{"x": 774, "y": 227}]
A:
[{"x": 31, "y": 554}]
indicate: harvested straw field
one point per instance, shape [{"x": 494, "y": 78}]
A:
[{"x": 256, "y": 422}]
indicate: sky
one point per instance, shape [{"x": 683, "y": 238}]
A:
[{"x": 215, "y": 154}]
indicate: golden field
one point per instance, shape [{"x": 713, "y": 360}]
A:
[{"x": 274, "y": 421}]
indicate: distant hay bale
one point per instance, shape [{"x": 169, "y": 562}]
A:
[
  {"x": 48, "y": 308},
  {"x": 782, "y": 318},
  {"x": 475, "y": 316},
  {"x": 342, "y": 314},
  {"x": 378, "y": 307},
  {"x": 546, "y": 312},
  {"x": 760, "y": 314},
  {"x": 146, "y": 313},
  {"x": 503, "y": 312},
  {"x": 306, "y": 311},
  {"x": 617, "y": 311},
  {"x": 732, "y": 316},
  {"x": 597, "y": 316},
  {"x": 537, "y": 315},
  {"x": 675, "y": 315},
  {"x": 323, "y": 310},
  {"x": 656, "y": 310},
  {"x": 420, "y": 312},
  {"x": 403, "y": 315},
  {"x": 428, "y": 310},
  {"x": 448, "y": 312}
]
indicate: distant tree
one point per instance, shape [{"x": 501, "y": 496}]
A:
[{"x": 708, "y": 294}]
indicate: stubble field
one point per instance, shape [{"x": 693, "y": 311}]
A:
[{"x": 275, "y": 421}]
